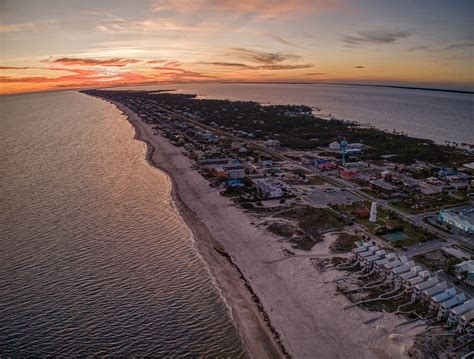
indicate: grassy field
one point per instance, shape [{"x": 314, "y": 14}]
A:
[{"x": 389, "y": 222}]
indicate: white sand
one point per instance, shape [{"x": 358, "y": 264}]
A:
[{"x": 304, "y": 311}]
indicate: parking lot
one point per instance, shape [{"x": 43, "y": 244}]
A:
[{"x": 324, "y": 195}]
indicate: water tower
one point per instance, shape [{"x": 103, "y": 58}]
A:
[{"x": 344, "y": 144}]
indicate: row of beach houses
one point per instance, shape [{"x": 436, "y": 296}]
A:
[{"x": 447, "y": 302}]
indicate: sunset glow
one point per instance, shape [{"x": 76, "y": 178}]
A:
[{"x": 52, "y": 45}]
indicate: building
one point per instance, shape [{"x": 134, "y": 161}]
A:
[
  {"x": 271, "y": 143},
  {"x": 268, "y": 188},
  {"x": 327, "y": 166},
  {"x": 348, "y": 174},
  {"x": 456, "y": 312},
  {"x": 460, "y": 219},
  {"x": 465, "y": 321},
  {"x": 445, "y": 306},
  {"x": 465, "y": 271},
  {"x": 385, "y": 188}
]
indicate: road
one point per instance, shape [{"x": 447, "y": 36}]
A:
[{"x": 416, "y": 219}]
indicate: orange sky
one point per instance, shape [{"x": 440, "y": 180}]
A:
[{"x": 52, "y": 44}]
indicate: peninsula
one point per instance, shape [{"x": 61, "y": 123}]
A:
[{"x": 287, "y": 208}]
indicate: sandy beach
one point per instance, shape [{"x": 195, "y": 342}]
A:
[{"x": 300, "y": 314}]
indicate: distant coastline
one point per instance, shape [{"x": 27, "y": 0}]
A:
[{"x": 353, "y": 84}]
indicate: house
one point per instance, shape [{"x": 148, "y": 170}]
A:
[
  {"x": 420, "y": 287},
  {"x": 385, "y": 188},
  {"x": 456, "y": 312},
  {"x": 465, "y": 320},
  {"x": 445, "y": 306},
  {"x": 235, "y": 183},
  {"x": 442, "y": 297},
  {"x": 217, "y": 161},
  {"x": 362, "y": 212},
  {"x": 402, "y": 279},
  {"x": 348, "y": 174},
  {"x": 272, "y": 143},
  {"x": 327, "y": 166},
  {"x": 460, "y": 219},
  {"x": 268, "y": 188},
  {"x": 429, "y": 293},
  {"x": 465, "y": 271},
  {"x": 421, "y": 277},
  {"x": 250, "y": 167}
]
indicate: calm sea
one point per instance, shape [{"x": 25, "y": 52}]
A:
[
  {"x": 94, "y": 258},
  {"x": 439, "y": 116}
]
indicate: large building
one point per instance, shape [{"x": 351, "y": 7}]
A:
[
  {"x": 460, "y": 219},
  {"x": 268, "y": 189}
]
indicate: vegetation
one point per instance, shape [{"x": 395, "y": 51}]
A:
[
  {"x": 295, "y": 126},
  {"x": 426, "y": 203},
  {"x": 344, "y": 243}
]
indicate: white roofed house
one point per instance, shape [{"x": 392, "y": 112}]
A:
[
  {"x": 442, "y": 297},
  {"x": 456, "y": 312},
  {"x": 268, "y": 188},
  {"x": 369, "y": 252},
  {"x": 379, "y": 265},
  {"x": 445, "y": 306},
  {"x": 420, "y": 287},
  {"x": 387, "y": 267},
  {"x": 363, "y": 247},
  {"x": 369, "y": 261},
  {"x": 397, "y": 271},
  {"x": 412, "y": 273},
  {"x": 429, "y": 293},
  {"x": 421, "y": 277},
  {"x": 466, "y": 320}
]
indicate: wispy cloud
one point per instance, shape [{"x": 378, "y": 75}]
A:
[
  {"x": 375, "y": 37},
  {"x": 315, "y": 73},
  {"x": 226, "y": 64},
  {"x": 461, "y": 45},
  {"x": 242, "y": 66},
  {"x": 264, "y": 9},
  {"x": 269, "y": 58},
  {"x": 70, "y": 61},
  {"x": 26, "y": 26},
  {"x": 280, "y": 39}
]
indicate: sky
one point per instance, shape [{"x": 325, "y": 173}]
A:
[{"x": 66, "y": 44}]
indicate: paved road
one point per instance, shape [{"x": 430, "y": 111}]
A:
[{"x": 351, "y": 187}]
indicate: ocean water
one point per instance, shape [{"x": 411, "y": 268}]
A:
[
  {"x": 94, "y": 258},
  {"x": 439, "y": 116}
]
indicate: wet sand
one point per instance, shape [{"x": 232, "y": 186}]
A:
[{"x": 280, "y": 304}]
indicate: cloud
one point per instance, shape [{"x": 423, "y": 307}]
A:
[
  {"x": 113, "y": 62},
  {"x": 242, "y": 66},
  {"x": 359, "y": 67},
  {"x": 375, "y": 37},
  {"x": 315, "y": 73},
  {"x": 179, "y": 73},
  {"x": 15, "y": 68},
  {"x": 419, "y": 48},
  {"x": 226, "y": 64},
  {"x": 266, "y": 9},
  {"x": 25, "y": 26},
  {"x": 262, "y": 57},
  {"x": 462, "y": 45},
  {"x": 285, "y": 67},
  {"x": 280, "y": 39}
]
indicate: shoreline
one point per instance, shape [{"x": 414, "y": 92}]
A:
[
  {"x": 296, "y": 311},
  {"x": 230, "y": 276}
]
